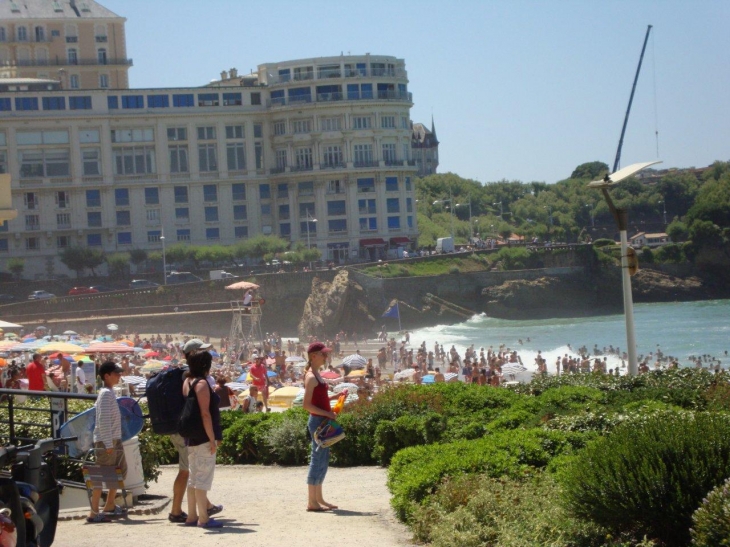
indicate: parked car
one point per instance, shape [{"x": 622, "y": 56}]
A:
[
  {"x": 143, "y": 284},
  {"x": 41, "y": 295},
  {"x": 82, "y": 290},
  {"x": 182, "y": 277},
  {"x": 4, "y": 298},
  {"x": 103, "y": 288}
]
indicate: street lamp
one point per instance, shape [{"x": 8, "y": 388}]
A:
[
  {"x": 471, "y": 231},
  {"x": 550, "y": 213},
  {"x": 309, "y": 219},
  {"x": 451, "y": 209},
  {"x": 593, "y": 214},
  {"x": 501, "y": 212},
  {"x": 622, "y": 220},
  {"x": 664, "y": 205},
  {"x": 164, "y": 258}
]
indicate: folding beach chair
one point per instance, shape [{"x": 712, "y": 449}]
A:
[{"x": 103, "y": 477}]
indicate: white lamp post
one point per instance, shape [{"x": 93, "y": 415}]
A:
[
  {"x": 309, "y": 219},
  {"x": 164, "y": 259},
  {"x": 471, "y": 230},
  {"x": 501, "y": 212},
  {"x": 622, "y": 220},
  {"x": 450, "y": 201},
  {"x": 664, "y": 206}
]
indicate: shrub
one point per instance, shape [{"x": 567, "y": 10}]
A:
[
  {"x": 711, "y": 521},
  {"x": 392, "y": 436},
  {"x": 603, "y": 242},
  {"x": 514, "y": 258},
  {"x": 650, "y": 474},
  {"x": 287, "y": 440},
  {"x": 239, "y": 444}
]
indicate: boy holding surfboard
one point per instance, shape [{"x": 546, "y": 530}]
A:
[{"x": 107, "y": 440}]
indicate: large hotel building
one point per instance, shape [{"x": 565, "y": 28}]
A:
[{"x": 317, "y": 149}]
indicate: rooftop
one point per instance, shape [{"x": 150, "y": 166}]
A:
[{"x": 54, "y": 9}]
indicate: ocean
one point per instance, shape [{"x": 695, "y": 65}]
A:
[{"x": 679, "y": 329}]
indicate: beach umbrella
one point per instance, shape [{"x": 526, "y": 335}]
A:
[
  {"x": 428, "y": 379},
  {"x": 126, "y": 342},
  {"x": 214, "y": 353},
  {"x": 29, "y": 338},
  {"x": 243, "y": 377},
  {"x": 70, "y": 333},
  {"x": 63, "y": 347},
  {"x": 356, "y": 374},
  {"x": 242, "y": 286},
  {"x": 7, "y": 325},
  {"x": 134, "y": 380},
  {"x": 270, "y": 373},
  {"x": 153, "y": 366},
  {"x": 329, "y": 375},
  {"x": 82, "y": 357},
  {"x": 404, "y": 374},
  {"x": 112, "y": 327},
  {"x": 104, "y": 338},
  {"x": 167, "y": 358},
  {"x": 451, "y": 376},
  {"x": 355, "y": 361},
  {"x": 284, "y": 396},
  {"x": 513, "y": 368},
  {"x": 339, "y": 388},
  {"x": 295, "y": 359},
  {"x": 11, "y": 335},
  {"x": 151, "y": 354},
  {"x": 237, "y": 386},
  {"x": 108, "y": 347},
  {"x": 7, "y": 344}
]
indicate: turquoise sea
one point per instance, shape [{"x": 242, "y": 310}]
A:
[{"x": 680, "y": 329}]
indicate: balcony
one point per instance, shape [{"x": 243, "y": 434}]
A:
[
  {"x": 392, "y": 162},
  {"x": 395, "y": 96},
  {"x": 32, "y": 227},
  {"x": 332, "y": 165},
  {"x": 360, "y": 164},
  {"x": 347, "y": 72},
  {"x": 276, "y": 170},
  {"x": 77, "y": 62},
  {"x": 304, "y": 167},
  {"x": 328, "y": 97}
]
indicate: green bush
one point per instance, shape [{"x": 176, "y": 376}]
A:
[
  {"x": 603, "y": 242},
  {"x": 711, "y": 521},
  {"x": 392, "y": 436},
  {"x": 287, "y": 440},
  {"x": 514, "y": 258},
  {"x": 650, "y": 474},
  {"x": 239, "y": 445}
]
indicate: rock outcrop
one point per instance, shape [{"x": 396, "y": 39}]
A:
[{"x": 335, "y": 306}]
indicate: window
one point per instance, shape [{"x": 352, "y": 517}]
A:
[
  {"x": 153, "y": 216},
  {"x": 134, "y": 160},
  {"x": 182, "y": 214},
  {"x": 258, "y": 131},
  {"x": 132, "y": 101},
  {"x": 366, "y": 206},
  {"x": 63, "y": 241},
  {"x": 93, "y": 198},
  {"x": 284, "y": 74},
  {"x": 365, "y": 186},
  {"x": 5, "y": 105},
  {"x": 308, "y": 228},
  {"x": 183, "y": 100},
  {"x": 32, "y": 244},
  {"x": 79, "y": 103},
  {"x": 4, "y": 245},
  {"x": 44, "y": 163},
  {"x": 409, "y": 205},
  {"x": 124, "y": 238},
  {"x": 26, "y": 103},
  {"x": 336, "y": 208},
  {"x": 304, "y": 73},
  {"x": 124, "y": 218},
  {"x": 393, "y": 223},
  {"x": 332, "y": 156},
  {"x": 238, "y": 190},
  {"x": 359, "y": 91},
  {"x": 283, "y": 212},
  {"x": 232, "y": 99},
  {"x": 177, "y": 133},
  {"x": 391, "y": 184},
  {"x": 406, "y": 150},
  {"x": 265, "y": 209},
  {"x": 208, "y": 99},
  {"x": 258, "y": 145},
  {"x": 264, "y": 191},
  {"x": 179, "y": 158},
  {"x": 363, "y": 155},
  {"x": 302, "y": 126},
  {"x": 103, "y": 81},
  {"x": 240, "y": 232},
  {"x": 212, "y": 233},
  {"x": 151, "y": 196},
  {"x": 207, "y": 158},
  {"x": 389, "y": 156},
  {"x": 153, "y": 236},
  {"x": 54, "y": 103},
  {"x": 335, "y": 187},
  {"x": 234, "y": 132},
  {"x": 239, "y": 212},
  {"x": 3, "y": 34},
  {"x": 306, "y": 210},
  {"x": 210, "y": 193},
  {"x": 93, "y": 240},
  {"x": 280, "y": 128},
  {"x": 32, "y": 222},
  {"x": 303, "y": 158},
  {"x": 368, "y": 224},
  {"x": 133, "y": 135},
  {"x": 101, "y": 56},
  {"x": 112, "y": 102},
  {"x": 387, "y": 122},
  {"x": 63, "y": 221},
  {"x": 361, "y": 122},
  {"x": 306, "y": 188},
  {"x": 408, "y": 184},
  {"x": 235, "y": 156},
  {"x": 211, "y": 214},
  {"x": 93, "y": 219},
  {"x": 392, "y": 205},
  {"x": 282, "y": 190},
  {"x": 121, "y": 197},
  {"x": 30, "y": 200},
  {"x": 183, "y": 235},
  {"x": 206, "y": 133},
  {"x": 277, "y": 97},
  {"x": 73, "y": 56},
  {"x": 158, "y": 101},
  {"x": 3, "y": 162},
  {"x": 62, "y": 199},
  {"x": 285, "y": 229},
  {"x": 300, "y": 95},
  {"x": 281, "y": 161},
  {"x": 339, "y": 225},
  {"x": 330, "y": 124},
  {"x": 181, "y": 194},
  {"x": 90, "y": 158}
]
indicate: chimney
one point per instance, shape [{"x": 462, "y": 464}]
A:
[
  {"x": 234, "y": 73},
  {"x": 224, "y": 75}
]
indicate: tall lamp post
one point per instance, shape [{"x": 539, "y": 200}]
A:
[
  {"x": 550, "y": 214},
  {"x": 471, "y": 230},
  {"x": 450, "y": 201},
  {"x": 664, "y": 206},
  {"x": 621, "y": 216},
  {"x": 593, "y": 214},
  {"x": 501, "y": 211},
  {"x": 309, "y": 219},
  {"x": 164, "y": 259}
]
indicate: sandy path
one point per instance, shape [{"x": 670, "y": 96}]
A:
[{"x": 264, "y": 506}]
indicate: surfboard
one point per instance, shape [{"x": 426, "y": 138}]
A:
[{"x": 82, "y": 426}]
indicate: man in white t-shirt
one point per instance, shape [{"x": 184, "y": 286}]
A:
[
  {"x": 248, "y": 297},
  {"x": 80, "y": 377}
]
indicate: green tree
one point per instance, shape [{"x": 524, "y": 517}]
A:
[
  {"x": 16, "y": 267},
  {"x": 258, "y": 246},
  {"x": 593, "y": 170},
  {"x": 677, "y": 231},
  {"x": 118, "y": 264},
  {"x": 79, "y": 259},
  {"x": 704, "y": 233},
  {"x": 137, "y": 257}
]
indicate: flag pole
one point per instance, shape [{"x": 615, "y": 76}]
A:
[{"x": 397, "y": 307}]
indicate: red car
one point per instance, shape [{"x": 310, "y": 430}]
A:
[{"x": 82, "y": 290}]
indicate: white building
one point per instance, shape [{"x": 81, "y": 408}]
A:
[{"x": 267, "y": 153}]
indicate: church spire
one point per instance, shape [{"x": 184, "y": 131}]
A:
[{"x": 433, "y": 129}]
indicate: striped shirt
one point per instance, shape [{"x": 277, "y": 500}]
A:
[{"x": 108, "y": 419}]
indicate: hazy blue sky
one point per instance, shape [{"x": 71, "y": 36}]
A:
[{"x": 520, "y": 90}]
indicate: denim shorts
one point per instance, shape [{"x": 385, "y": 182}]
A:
[{"x": 320, "y": 458}]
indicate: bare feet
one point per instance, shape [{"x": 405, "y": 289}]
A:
[{"x": 327, "y": 505}]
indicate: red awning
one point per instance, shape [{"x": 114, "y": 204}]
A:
[
  {"x": 374, "y": 242},
  {"x": 400, "y": 240}
]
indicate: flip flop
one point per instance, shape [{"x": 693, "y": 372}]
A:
[
  {"x": 316, "y": 509},
  {"x": 190, "y": 523},
  {"x": 214, "y": 510},
  {"x": 212, "y": 523},
  {"x": 182, "y": 517},
  {"x": 97, "y": 519}
]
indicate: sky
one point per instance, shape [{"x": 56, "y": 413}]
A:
[{"x": 519, "y": 90}]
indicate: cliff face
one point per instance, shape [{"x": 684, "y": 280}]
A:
[{"x": 333, "y": 306}]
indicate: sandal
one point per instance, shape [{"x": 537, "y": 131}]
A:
[
  {"x": 97, "y": 518},
  {"x": 182, "y": 517},
  {"x": 116, "y": 512},
  {"x": 214, "y": 510},
  {"x": 212, "y": 523}
]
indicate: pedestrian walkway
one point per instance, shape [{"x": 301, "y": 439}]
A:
[{"x": 264, "y": 507}]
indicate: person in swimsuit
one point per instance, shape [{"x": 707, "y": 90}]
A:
[{"x": 317, "y": 403}]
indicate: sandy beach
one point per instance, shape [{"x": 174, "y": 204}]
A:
[{"x": 264, "y": 507}]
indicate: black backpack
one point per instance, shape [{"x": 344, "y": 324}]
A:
[{"x": 165, "y": 400}]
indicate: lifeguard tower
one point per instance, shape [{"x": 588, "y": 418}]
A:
[{"x": 246, "y": 322}]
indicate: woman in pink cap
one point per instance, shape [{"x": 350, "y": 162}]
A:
[{"x": 317, "y": 403}]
